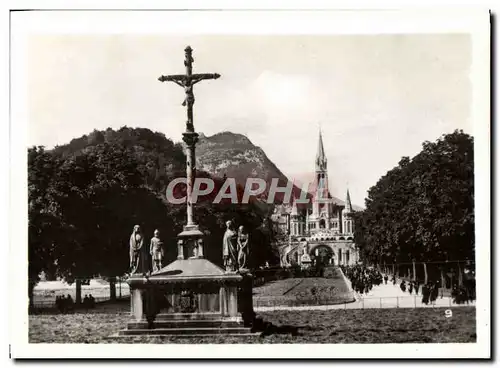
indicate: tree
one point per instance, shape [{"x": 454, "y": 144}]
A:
[
  {"x": 423, "y": 209},
  {"x": 82, "y": 209},
  {"x": 45, "y": 222}
]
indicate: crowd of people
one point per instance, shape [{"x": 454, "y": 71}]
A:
[
  {"x": 362, "y": 278},
  {"x": 89, "y": 301},
  {"x": 464, "y": 294},
  {"x": 65, "y": 304},
  {"x": 410, "y": 286},
  {"x": 429, "y": 291}
]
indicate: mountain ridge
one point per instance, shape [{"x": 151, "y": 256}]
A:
[
  {"x": 222, "y": 154},
  {"x": 234, "y": 155}
]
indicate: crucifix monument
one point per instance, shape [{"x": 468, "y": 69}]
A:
[
  {"x": 190, "y": 236},
  {"x": 191, "y": 295}
]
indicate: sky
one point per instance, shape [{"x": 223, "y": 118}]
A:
[{"x": 375, "y": 98}]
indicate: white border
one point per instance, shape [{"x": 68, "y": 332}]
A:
[{"x": 462, "y": 20}]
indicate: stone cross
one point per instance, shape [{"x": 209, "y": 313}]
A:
[{"x": 187, "y": 81}]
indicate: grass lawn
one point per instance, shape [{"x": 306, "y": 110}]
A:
[
  {"x": 332, "y": 326},
  {"x": 304, "y": 291}
]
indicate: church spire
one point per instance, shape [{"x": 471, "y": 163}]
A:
[
  {"x": 348, "y": 205},
  {"x": 320, "y": 156}
]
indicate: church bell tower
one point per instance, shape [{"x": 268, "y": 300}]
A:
[
  {"x": 348, "y": 222},
  {"x": 321, "y": 201}
]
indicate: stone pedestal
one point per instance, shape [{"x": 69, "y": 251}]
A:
[
  {"x": 190, "y": 243},
  {"x": 190, "y": 297}
]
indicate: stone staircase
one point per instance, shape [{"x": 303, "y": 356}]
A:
[{"x": 186, "y": 324}]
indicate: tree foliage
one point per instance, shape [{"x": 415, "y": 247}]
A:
[{"x": 423, "y": 209}]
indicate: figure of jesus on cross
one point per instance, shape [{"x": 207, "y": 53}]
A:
[{"x": 187, "y": 81}]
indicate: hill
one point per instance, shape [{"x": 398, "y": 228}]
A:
[{"x": 159, "y": 158}]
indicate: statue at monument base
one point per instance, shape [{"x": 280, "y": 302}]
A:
[
  {"x": 243, "y": 239},
  {"x": 156, "y": 251},
  {"x": 230, "y": 248},
  {"x": 137, "y": 255}
]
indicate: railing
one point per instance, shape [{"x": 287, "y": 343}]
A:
[
  {"x": 52, "y": 303},
  {"x": 414, "y": 301}
]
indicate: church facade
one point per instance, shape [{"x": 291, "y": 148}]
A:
[{"x": 322, "y": 230}]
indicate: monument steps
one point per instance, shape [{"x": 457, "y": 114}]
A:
[
  {"x": 193, "y": 323},
  {"x": 125, "y": 338},
  {"x": 185, "y": 331}
]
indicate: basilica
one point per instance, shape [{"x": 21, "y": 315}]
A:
[{"x": 322, "y": 230}]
